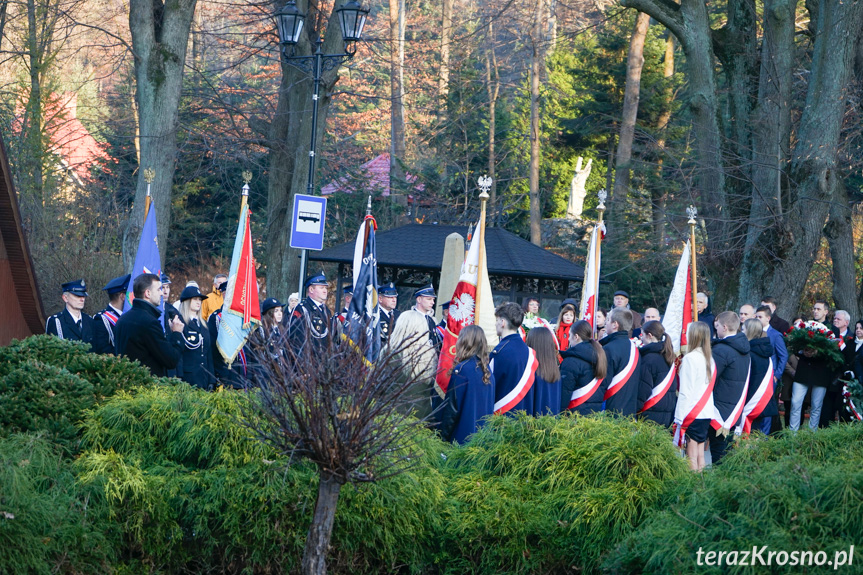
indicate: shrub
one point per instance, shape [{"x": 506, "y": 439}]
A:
[
  {"x": 801, "y": 492},
  {"x": 191, "y": 489},
  {"x": 544, "y": 495},
  {"x": 46, "y": 384},
  {"x": 48, "y": 523}
]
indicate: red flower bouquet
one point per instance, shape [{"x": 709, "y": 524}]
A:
[{"x": 818, "y": 338}]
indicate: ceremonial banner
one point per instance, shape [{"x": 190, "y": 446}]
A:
[
  {"x": 678, "y": 312},
  {"x": 147, "y": 259},
  {"x": 364, "y": 312},
  {"x": 591, "y": 276},
  {"x": 241, "y": 312}
]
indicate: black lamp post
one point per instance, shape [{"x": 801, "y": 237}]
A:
[{"x": 290, "y": 21}]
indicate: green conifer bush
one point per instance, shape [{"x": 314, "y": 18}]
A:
[
  {"x": 550, "y": 495},
  {"x": 800, "y": 492},
  {"x": 48, "y": 522}
]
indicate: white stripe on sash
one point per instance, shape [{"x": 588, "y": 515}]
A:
[
  {"x": 619, "y": 380},
  {"x": 524, "y": 384},
  {"x": 725, "y": 424}
]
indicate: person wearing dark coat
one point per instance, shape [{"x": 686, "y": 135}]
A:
[
  {"x": 233, "y": 375},
  {"x": 72, "y": 323},
  {"x": 512, "y": 362},
  {"x": 546, "y": 384},
  {"x": 731, "y": 357},
  {"x": 196, "y": 365},
  {"x": 388, "y": 298},
  {"x": 656, "y": 390},
  {"x": 470, "y": 393},
  {"x": 582, "y": 371},
  {"x": 106, "y": 320},
  {"x": 310, "y": 324},
  {"x": 621, "y": 393},
  {"x": 139, "y": 334},
  {"x": 704, "y": 312},
  {"x": 761, "y": 404}
]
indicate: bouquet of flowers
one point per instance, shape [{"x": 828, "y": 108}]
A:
[
  {"x": 852, "y": 396},
  {"x": 815, "y": 337}
]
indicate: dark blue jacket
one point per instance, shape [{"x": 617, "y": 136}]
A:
[
  {"x": 760, "y": 352},
  {"x": 618, "y": 349},
  {"x": 196, "y": 364},
  {"x": 576, "y": 371},
  {"x": 63, "y": 326},
  {"x": 236, "y": 374},
  {"x": 508, "y": 362},
  {"x": 139, "y": 336},
  {"x": 546, "y": 396},
  {"x": 468, "y": 401},
  {"x": 780, "y": 352},
  {"x": 104, "y": 327},
  {"x": 731, "y": 355},
  {"x": 653, "y": 371}
]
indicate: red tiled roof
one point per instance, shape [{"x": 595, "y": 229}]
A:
[{"x": 373, "y": 176}]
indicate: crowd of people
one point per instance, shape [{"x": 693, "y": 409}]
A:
[{"x": 734, "y": 372}]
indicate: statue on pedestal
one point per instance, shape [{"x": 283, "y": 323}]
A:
[{"x": 577, "y": 191}]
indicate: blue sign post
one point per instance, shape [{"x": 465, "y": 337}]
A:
[{"x": 307, "y": 228}]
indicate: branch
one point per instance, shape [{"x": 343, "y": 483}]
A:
[{"x": 666, "y": 12}]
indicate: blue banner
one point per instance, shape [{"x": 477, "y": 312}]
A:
[{"x": 147, "y": 259}]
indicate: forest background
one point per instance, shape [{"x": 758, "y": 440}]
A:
[{"x": 748, "y": 110}]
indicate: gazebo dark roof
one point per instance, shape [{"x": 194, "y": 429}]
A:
[{"x": 420, "y": 247}]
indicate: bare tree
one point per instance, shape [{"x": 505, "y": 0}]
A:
[
  {"x": 397, "y": 86},
  {"x": 537, "y": 63},
  {"x": 350, "y": 418}
]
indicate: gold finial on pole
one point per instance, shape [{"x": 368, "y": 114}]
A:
[
  {"x": 484, "y": 186},
  {"x": 692, "y": 212},
  {"x": 149, "y": 176}
]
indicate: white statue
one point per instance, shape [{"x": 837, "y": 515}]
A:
[{"x": 577, "y": 191}]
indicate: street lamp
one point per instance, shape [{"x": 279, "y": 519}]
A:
[{"x": 290, "y": 21}]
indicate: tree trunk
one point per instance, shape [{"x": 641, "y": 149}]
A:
[
  {"x": 397, "y": 92},
  {"x": 632, "y": 90},
  {"x": 492, "y": 83},
  {"x": 160, "y": 35},
  {"x": 658, "y": 194},
  {"x": 289, "y": 135},
  {"x": 33, "y": 137},
  {"x": 813, "y": 166},
  {"x": 771, "y": 129},
  {"x": 321, "y": 529},
  {"x": 445, "y": 40},
  {"x": 535, "y": 67},
  {"x": 839, "y": 232}
]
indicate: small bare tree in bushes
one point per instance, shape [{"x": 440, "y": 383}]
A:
[{"x": 330, "y": 406}]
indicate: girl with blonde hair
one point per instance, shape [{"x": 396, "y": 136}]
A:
[{"x": 695, "y": 400}]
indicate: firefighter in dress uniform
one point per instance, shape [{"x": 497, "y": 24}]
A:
[
  {"x": 72, "y": 323},
  {"x": 196, "y": 365},
  {"x": 105, "y": 321},
  {"x": 388, "y": 297},
  {"x": 311, "y": 321}
]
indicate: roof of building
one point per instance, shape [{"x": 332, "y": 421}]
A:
[
  {"x": 420, "y": 247},
  {"x": 371, "y": 177},
  {"x": 26, "y": 291}
]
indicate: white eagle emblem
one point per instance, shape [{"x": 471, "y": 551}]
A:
[{"x": 462, "y": 308}]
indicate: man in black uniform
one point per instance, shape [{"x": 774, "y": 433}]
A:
[
  {"x": 105, "y": 320},
  {"x": 425, "y": 297},
  {"x": 311, "y": 320},
  {"x": 388, "y": 297},
  {"x": 139, "y": 335},
  {"x": 72, "y": 323},
  {"x": 233, "y": 375}
]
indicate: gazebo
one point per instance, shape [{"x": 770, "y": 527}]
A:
[{"x": 410, "y": 256}]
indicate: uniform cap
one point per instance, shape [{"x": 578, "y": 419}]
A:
[
  {"x": 388, "y": 290},
  {"x": 316, "y": 280},
  {"x": 445, "y": 305},
  {"x": 190, "y": 292},
  {"x": 348, "y": 290},
  {"x": 165, "y": 279},
  {"x": 117, "y": 285},
  {"x": 425, "y": 291},
  {"x": 77, "y": 287},
  {"x": 269, "y": 304}
]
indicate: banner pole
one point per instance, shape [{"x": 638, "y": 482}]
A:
[
  {"x": 691, "y": 211},
  {"x": 484, "y": 186},
  {"x": 602, "y": 194}
]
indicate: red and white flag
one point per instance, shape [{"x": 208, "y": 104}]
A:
[
  {"x": 678, "y": 313},
  {"x": 462, "y": 312},
  {"x": 591, "y": 277}
]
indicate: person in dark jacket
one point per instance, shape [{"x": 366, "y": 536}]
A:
[
  {"x": 196, "y": 365},
  {"x": 621, "y": 393},
  {"x": 470, "y": 393},
  {"x": 704, "y": 312},
  {"x": 512, "y": 362},
  {"x": 72, "y": 323},
  {"x": 656, "y": 391},
  {"x": 139, "y": 334},
  {"x": 106, "y": 320},
  {"x": 761, "y": 406},
  {"x": 582, "y": 371},
  {"x": 233, "y": 375},
  {"x": 546, "y": 385},
  {"x": 731, "y": 357}
]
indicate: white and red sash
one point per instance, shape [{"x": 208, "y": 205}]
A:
[
  {"x": 619, "y": 380},
  {"x": 584, "y": 393},
  {"x": 521, "y": 388},
  {"x": 111, "y": 317},
  {"x": 723, "y": 426},
  {"x": 759, "y": 400},
  {"x": 696, "y": 410},
  {"x": 659, "y": 391}
]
